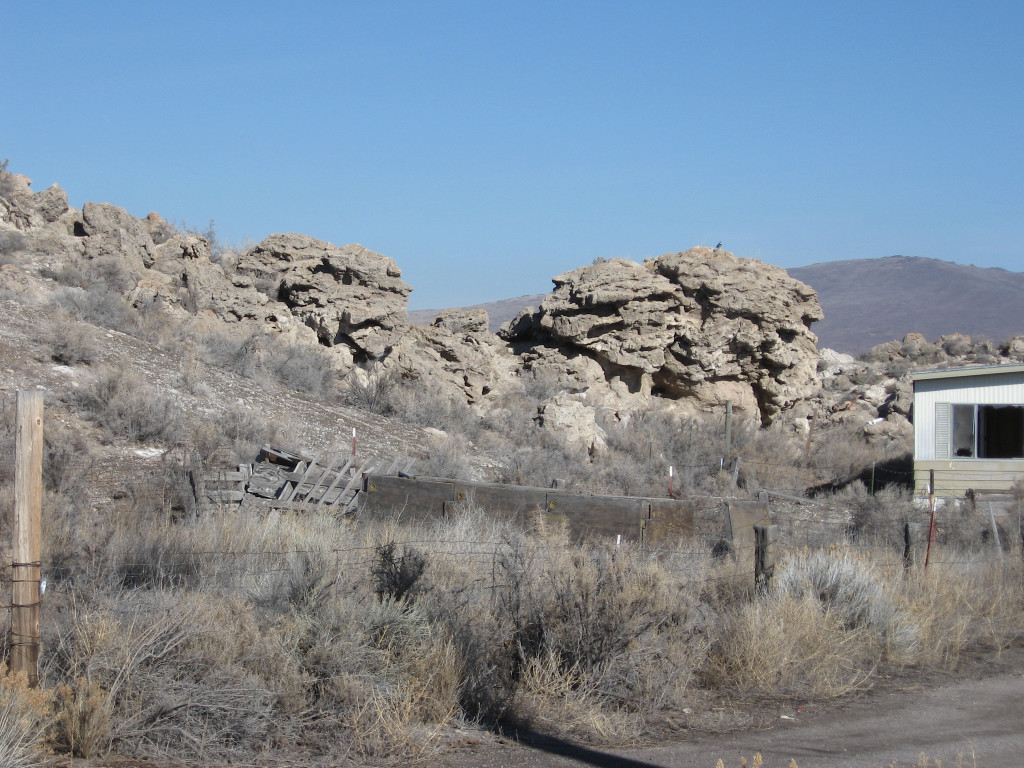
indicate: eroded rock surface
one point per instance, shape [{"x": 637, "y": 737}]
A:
[
  {"x": 697, "y": 329},
  {"x": 351, "y": 296},
  {"x": 457, "y": 353},
  {"x": 701, "y": 325}
]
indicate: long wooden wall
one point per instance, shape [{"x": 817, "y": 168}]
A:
[{"x": 651, "y": 521}]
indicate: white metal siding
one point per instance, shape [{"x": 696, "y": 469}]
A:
[{"x": 993, "y": 389}]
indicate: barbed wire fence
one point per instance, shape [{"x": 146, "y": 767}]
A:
[{"x": 802, "y": 524}]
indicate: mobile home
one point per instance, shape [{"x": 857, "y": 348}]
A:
[{"x": 968, "y": 429}]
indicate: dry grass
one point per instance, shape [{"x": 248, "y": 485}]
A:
[
  {"x": 23, "y": 713},
  {"x": 231, "y": 636}
]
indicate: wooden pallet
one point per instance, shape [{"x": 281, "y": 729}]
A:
[{"x": 284, "y": 480}]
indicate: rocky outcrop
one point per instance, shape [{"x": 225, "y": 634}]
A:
[
  {"x": 698, "y": 328},
  {"x": 351, "y": 297},
  {"x": 22, "y": 209},
  {"x": 701, "y": 326},
  {"x": 573, "y": 422},
  {"x": 113, "y": 233},
  {"x": 456, "y": 353}
]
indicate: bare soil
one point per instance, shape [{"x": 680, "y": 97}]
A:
[{"x": 972, "y": 717}]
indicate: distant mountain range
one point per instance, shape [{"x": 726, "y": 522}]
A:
[{"x": 871, "y": 301}]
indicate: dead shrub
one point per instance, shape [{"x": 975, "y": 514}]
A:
[
  {"x": 23, "y": 714},
  {"x": 964, "y": 600},
  {"x": 840, "y": 455},
  {"x": 372, "y": 391},
  {"x": 789, "y": 646},
  {"x": 828, "y": 623},
  {"x": 396, "y": 576},
  {"x": 124, "y": 405},
  {"x": 849, "y": 590},
  {"x": 446, "y": 457},
  {"x": 880, "y": 516},
  {"x": 82, "y": 723},
  {"x": 101, "y": 306},
  {"x": 10, "y": 244},
  {"x": 174, "y": 675},
  {"x": 424, "y": 404},
  {"x": 244, "y": 431},
  {"x": 263, "y": 357}
]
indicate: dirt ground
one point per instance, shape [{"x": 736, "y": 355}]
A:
[{"x": 972, "y": 718}]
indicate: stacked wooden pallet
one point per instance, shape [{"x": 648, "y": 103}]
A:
[{"x": 283, "y": 480}]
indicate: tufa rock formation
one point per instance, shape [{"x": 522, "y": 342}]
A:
[
  {"x": 351, "y": 297},
  {"x": 692, "y": 329},
  {"x": 701, "y": 326}
]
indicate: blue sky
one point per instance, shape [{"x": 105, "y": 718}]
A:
[{"x": 488, "y": 146}]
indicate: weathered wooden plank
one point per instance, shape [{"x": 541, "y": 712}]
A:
[
  {"x": 305, "y": 478},
  {"x": 600, "y": 516},
  {"x": 334, "y": 484},
  {"x": 669, "y": 523},
  {"x": 266, "y": 481},
  {"x": 276, "y": 456},
  {"x": 195, "y": 479},
  {"x": 349, "y": 494},
  {"x": 414, "y": 498},
  {"x": 518, "y": 501},
  {"x": 740, "y": 519},
  {"x": 224, "y": 495},
  {"x": 225, "y": 476},
  {"x": 25, "y": 570}
]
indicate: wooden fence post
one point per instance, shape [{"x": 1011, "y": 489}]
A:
[
  {"x": 728, "y": 428},
  {"x": 931, "y": 516},
  {"x": 911, "y": 541},
  {"x": 765, "y": 537},
  {"x": 28, "y": 501}
]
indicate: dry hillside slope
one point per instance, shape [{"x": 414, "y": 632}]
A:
[{"x": 871, "y": 301}]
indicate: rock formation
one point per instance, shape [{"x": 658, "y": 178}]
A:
[
  {"x": 457, "y": 353},
  {"x": 695, "y": 329},
  {"x": 701, "y": 326},
  {"x": 352, "y": 297}
]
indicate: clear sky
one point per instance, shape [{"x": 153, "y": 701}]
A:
[{"x": 488, "y": 146}]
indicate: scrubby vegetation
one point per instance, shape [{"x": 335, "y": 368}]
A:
[
  {"x": 223, "y": 638},
  {"x": 228, "y": 637}
]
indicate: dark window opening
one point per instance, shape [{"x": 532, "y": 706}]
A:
[
  {"x": 988, "y": 431},
  {"x": 1000, "y": 431}
]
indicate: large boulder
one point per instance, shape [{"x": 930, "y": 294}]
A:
[
  {"x": 111, "y": 233},
  {"x": 702, "y": 326},
  {"x": 22, "y": 209},
  {"x": 352, "y": 297},
  {"x": 573, "y": 422},
  {"x": 457, "y": 354}
]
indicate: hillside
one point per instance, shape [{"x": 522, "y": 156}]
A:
[
  {"x": 498, "y": 312},
  {"x": 872, "y": 301},
  {"x": 166, "y": 363}
]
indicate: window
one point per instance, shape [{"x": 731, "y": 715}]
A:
[
  {"x": 988, "y": 431},
  {"x": 963, "y": 430}
]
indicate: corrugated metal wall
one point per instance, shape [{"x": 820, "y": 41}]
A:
[
  {"x": 932, "y": 401},
  {"x": 993, "y": 389}
]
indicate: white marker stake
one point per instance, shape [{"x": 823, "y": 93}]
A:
[
  {"x": 671, "y": 495},
  {"x": 353, "y": 442}
]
